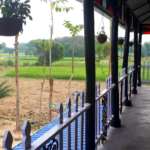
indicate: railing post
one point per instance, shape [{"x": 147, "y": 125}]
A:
[
  {"x": 127, "y": 102},
  {"x": 7, "y": 141},
  {"x": 139, "y": 59},
  {"x": 61, "y": 121},
  {"x": 69, "y": 126},
  {"x": 26, "y": 131},
  {"x": 134, "y": 91},
  {"x": 90, "y": 71},
  {"x": 115, "y": 122}
]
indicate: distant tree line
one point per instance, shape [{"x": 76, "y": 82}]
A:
[
  {"x": 62, "y": 47},
  {"x": 146, "y": 49},
  {"x": 41, "y": 48}
]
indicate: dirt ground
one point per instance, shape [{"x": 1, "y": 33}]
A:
[{"x": 30, "y": 90}]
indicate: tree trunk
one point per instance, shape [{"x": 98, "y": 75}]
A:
[
  {"x": 73, "y": 60},
  {"x": 17, "y": 83},
  {"x": 50, "y": 98},
  {"x": 72, "y": 69},
  {"x": 51, "y": 81}
]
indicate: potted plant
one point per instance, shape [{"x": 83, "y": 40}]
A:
[
  {"x": 14, "y": 14},
  {"x": 120, "y": 41},
  {"x": 102, "y": 37}
]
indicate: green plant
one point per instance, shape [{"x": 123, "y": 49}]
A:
[
  {"x": 5, "y": 89},
  {"x": 9, "y": 63},
  {"x": 16, "y": 9},
  {"x": 74, "y": 30}
]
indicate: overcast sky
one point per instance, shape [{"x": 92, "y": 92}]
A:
[{"x": 39, "y": 27}]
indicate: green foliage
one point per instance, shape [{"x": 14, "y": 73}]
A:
[
  {"x": 5, "y": 89},
  {"x": 16, "y": 9},
  {"x": 102, "y": 50},
  {"x": 43, "y": 50},
  {"x": 68, "y": 43},
  {"x": 9, "y": 63},
  {"x": 27, "y": 48},
  {"x": 2, "y": 46},
  {"x": 146, "y": 49},
  {"x": 59, "y": 6},
  {"x": 73, "y": 29}
]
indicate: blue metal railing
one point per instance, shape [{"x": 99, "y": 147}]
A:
[{"x": 67, "y": 131}]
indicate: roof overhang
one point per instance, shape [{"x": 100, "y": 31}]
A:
[{"x": 139, "y": 9}]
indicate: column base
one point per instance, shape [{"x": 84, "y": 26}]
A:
[
  {"x": 127, "y": 103},
  {"x": 134, "y": 91},
  {"x": 116, "y": 123},
  {"x": 139, "y": 84}
]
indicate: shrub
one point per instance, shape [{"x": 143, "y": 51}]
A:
[
  {"x": 5, "y": 89},
  {"x": 9, "y": 63}
]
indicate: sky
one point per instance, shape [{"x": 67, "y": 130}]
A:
[{"x": 39, "y": 27}]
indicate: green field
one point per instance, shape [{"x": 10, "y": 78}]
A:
[
  {"x": 61, "y": 70},
  {"x": 24, "y": 60}
]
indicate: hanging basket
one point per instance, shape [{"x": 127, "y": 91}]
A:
[
  {"x": 10, "y": 26},
  {"x": 120, "y": 41},
  {"x": 102, "y": 37}
]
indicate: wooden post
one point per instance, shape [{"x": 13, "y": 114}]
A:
[
  {"x": 26, "y": 132},
  {"x": 127, "y": 102},
  {"x": 139, "y": 59},
  {"x": 115, "y": 122},
  {"x": 17, "y": 83},
  {"x": 134, "y": 91},
  {"x": 90, "y": 72}
]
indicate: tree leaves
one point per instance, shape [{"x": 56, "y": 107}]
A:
[
  {"x": 73, "y": 29},
  {"x": 16, "y": 9},
  {"x": 4, "y": 89}
]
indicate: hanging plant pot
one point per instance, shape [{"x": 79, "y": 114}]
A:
[
  {"x": 130, "y": 43},
  {"x": 10, "y": 26},
  {"x": 102, "y": 37},
  {"x": 120, "y": 41}
]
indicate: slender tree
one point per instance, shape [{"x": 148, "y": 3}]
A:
[
  {"x": 74, "y": 31},
  {"x": 20, "y": 10},
  {"x": 58, "y": 6}
]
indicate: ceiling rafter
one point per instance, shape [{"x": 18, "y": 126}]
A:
[
  {"x": 144, "y": 4},
  {"x": 143, "y": 14},
  {"x": 145, "y": 19}
]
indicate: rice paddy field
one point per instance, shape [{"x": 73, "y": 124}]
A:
[{"x": 61, "y": 70}]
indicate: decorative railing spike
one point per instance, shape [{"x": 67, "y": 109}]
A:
[
  {"x": 76, "y": 99},
  {"x": 82, "y": 96},
  {"x": 7, "y": 140},
  {"x": 69, "y": 107},
  {"x": 61, "y": 111},
  {"x": 26, "y": 132}
]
